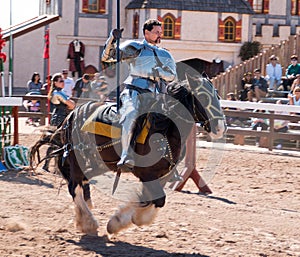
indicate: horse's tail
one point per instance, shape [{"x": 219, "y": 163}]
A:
[{"x": 50, "y": 137}]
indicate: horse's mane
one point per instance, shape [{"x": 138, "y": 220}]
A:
[{"x": 178, "y": 89}]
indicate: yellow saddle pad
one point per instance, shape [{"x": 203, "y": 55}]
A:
[{"x": 93, "y": 126}]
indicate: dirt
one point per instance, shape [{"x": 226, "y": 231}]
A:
[{"x": 254, "y": 210}]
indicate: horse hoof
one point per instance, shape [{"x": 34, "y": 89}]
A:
[
  {"x": 114, "y": 225},
  {"x": 118, "y": 222}
]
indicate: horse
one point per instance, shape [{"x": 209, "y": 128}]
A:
[{"x": 82, "y": 155}]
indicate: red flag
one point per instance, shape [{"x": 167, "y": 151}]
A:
[
  {"x": 2, "y": 44},
  {"x": 47, "y": 45}
]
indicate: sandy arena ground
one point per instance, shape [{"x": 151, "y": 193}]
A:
[{"x": 254, "y": 210}]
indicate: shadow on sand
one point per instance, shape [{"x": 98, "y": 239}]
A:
[
  {"x": 106, "y": 248},
  {"x": 209, "y": 196},
  {"x": 23, "y": 177}
]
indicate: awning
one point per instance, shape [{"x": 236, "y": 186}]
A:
[{"x": 28, "y": 26}]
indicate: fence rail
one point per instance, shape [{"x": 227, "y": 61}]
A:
[{"x": 230, "y": 80}]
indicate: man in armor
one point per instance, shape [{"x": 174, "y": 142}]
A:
[{"x": 150, "y": 69}]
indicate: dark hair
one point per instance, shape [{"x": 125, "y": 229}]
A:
[
  {"x": 55, "y": 78},
  {"x": 149, "y": 24},
  {"x": 33, "y": 76},
  {"x": 294, "y": 57},
  {"x": 86, "y": 76},
  {"x": 257, "y": 70},
  {"x": 273, "y": 57},
  {"x": 232, "y": 96}
]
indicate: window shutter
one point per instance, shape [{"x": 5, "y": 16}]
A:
[
  {"x": 238, "y": 31},
  {"x": 135, "y": 26},
  {"x": 251, "y": 2},
  {"x": 159, "y": 18},
  {"x": 266, "y": 6},
  {"x": 85, "y": 5},
  {"x": 293, "y": 7},
  {"x": 221, "y": 30},
  {"x": 177, "y": 31},
  {"x": 102, "y": 8}
]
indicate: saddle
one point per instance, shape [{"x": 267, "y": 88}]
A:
[{"x": 104, "y": 121}]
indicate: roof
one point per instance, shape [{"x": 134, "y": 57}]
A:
[
  {"x": 231, "y": 6},
  {"x": 30, "y": 25}
]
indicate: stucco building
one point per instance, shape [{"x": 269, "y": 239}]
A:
[{"x": 203, "y": 33}]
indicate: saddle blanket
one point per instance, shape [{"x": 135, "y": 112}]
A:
[{"x": 104, "y": 122}]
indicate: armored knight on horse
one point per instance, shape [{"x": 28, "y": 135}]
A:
[{"x": 151, "y": 67}]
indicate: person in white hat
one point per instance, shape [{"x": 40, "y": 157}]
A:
[{"x": 273, "y": 73}]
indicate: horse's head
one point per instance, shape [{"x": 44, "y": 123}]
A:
[
  {"x": 198, "y": 95},
  {"x": 207, "y": 109}
]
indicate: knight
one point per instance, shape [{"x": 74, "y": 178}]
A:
[{"x": 151, "y": 68}]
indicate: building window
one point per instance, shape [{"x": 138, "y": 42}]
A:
[
  {"x": 93, "y": 6},
  {"x": 260, "y": 6},
  {"x": 168, "y": 29},
  {"x": 295, "y": 7},
  {"x": 229, "y": 30},
  {"x": 171, "y": 26}
]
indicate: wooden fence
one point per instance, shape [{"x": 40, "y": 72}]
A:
[
  {"x": 245, "y": 110},
  {"x": 230, "y": 80}
]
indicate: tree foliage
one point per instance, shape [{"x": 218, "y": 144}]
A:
[{"x": 249, "y": 49}]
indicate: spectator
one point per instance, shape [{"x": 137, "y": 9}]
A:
[
  {"x": 274, "y": 73},
  {"x": 69, "y": 83},
  {"x": 46, "y": 86},
  {"x": 62, "y": 106},
  {"x": 82, "y": 87},
  {"x": 259, "y": 87},
  {"x": 62, "y": 103},
  {"x": 35, "y": 84},
  {"x": 295, "y": 97},
  {"x": 280, "y": 125},
  {"x": 291, "y": 73},
  {"x": 260, "y": 124},
  {"x": 231, "y": 120},
  {"x": 295, "y": 84},
  {"x": 32, "y": 106},
  {"x": 246, "y": 86},
  {"x": 99, "y": 87}
]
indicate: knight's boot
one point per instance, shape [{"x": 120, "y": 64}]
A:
[{"x": 126, "y": 162}]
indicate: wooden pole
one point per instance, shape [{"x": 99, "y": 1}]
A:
[
  {"x": 190, "y": 170},
  {"x": 16, "y": 125}
]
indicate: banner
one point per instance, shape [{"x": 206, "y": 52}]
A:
[
  {"x": 47, "y": 45},
  {"x": 2, "y": 55}
]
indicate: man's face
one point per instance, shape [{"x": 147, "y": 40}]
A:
[
  {"x": 154, "y": 36},
  {"x": 257, "y": 74},
  {"x": 294, "y": 61}
]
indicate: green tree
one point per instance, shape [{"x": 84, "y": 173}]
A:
[{"x": 249, "y": 49}]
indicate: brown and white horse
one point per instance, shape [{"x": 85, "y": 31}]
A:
[{"x": 83, "y": 155}]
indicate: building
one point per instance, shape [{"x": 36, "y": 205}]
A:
[
  {"x": 274, "y": 20},
  {"x": 204, "y": 34}
]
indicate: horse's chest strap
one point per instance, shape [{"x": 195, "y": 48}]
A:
[{"x": 168, "y": 155}]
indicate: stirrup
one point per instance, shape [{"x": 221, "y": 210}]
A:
[{"x": 126, "y": 165}]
